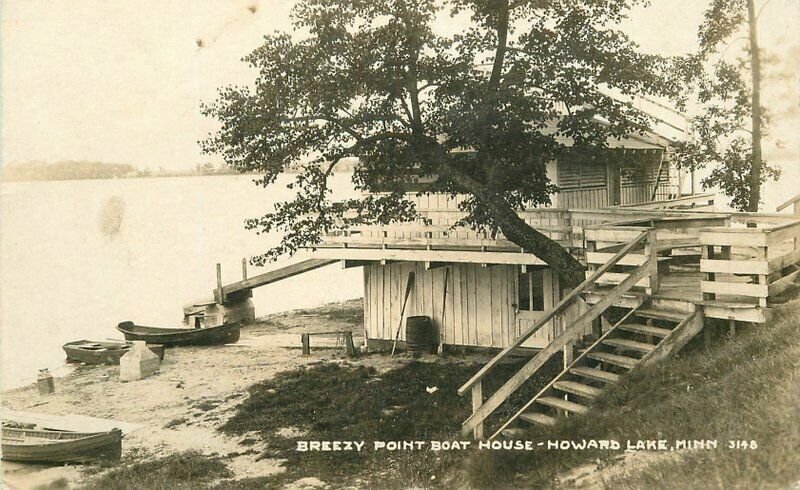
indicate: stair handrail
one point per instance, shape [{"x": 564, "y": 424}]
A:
[
  {"x": 566, "y": 369},
  {"x": 481, "y": 410},
  {"x": 566, "y": 301}
]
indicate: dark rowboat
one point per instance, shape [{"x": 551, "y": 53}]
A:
[
  {"x": 49, "y": 446},
  {"x": 227, "y": 333},
  {"x": 91, "y": 352}
]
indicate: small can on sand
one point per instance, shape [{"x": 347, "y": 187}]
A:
[{"x": 45, "y": 382}]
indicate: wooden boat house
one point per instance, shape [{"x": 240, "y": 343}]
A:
[
  {"x": 661, "y": 264},
  {"x": 483, "y": 292}
]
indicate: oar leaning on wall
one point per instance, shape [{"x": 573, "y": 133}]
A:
[
  {"x": 440, "y": 349},
  {"x": 409, "y": 285}
]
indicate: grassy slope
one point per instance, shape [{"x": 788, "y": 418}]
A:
[{"x": 745, "y": 388}]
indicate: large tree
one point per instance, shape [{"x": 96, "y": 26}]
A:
[
  {"x": 472, "y": 111},
  {"x": 728, "y": 132}
]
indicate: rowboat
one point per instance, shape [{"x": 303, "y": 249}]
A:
[
  {"x": 227, "y": 333},
  {"x": 51, "y": 446},
  {"x": 92, "y": 352}
]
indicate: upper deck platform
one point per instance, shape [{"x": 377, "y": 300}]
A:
[{"x": 732, "y": 263}]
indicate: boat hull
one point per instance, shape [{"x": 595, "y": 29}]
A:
[
  {"x": 43, "y": 446},
  {"x": 107, "y": 352},
  {"x": 221, "y": 334}
]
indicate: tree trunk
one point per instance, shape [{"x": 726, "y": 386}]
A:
[
  {"x": 569, "y": 269},
  {"x": 755, "y": 64}
]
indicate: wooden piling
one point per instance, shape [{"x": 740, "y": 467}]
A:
[{"x": 219, "y": 298}]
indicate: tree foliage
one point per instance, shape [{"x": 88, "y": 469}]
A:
[
  {"x": 727, "y": 133},
  {"x": 477, "y": 112}
]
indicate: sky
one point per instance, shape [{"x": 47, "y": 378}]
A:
[{"x": 122, "y": 81}]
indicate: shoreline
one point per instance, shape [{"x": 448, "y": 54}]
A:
[{"x": 180, "y": 408}]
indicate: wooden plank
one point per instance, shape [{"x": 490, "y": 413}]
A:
[
  {"x": 472, "y": 298},
  {"x": 603, "y": 257},
  {"x": 618, "y": 277},
  {"x": 477, "y": 401},
  {"x": 734, "y": 266},
  {"x": 779, "y": 263},
  {"x": 484, "y": 314},
  {"x": 385, "y": 327},
  {"x": 451, "y": 256},
  {"x": 783, "y": 283},
  {"x": 783, "y": 232},
  {"x": 498, "y": 297},
  {"x": 740, "y": 312},
  {"x": 733, "y": 236},
  {"x": 278, "y": 274},
  {"x": 458, "y": 302},
  {"x": 367, "y": 302},
  {"x": 734, "y": 289},
  {"x": 677, "y": 339},
  {"x": 788, "y": 203},
  {"x": 615, "y": 235},
  {"x": 450, "y": 313}
]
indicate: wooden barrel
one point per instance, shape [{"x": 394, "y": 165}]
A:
[{"x": 420, "y": 335}]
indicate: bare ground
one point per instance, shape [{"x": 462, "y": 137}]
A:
[{"x": 181, "y": 407}]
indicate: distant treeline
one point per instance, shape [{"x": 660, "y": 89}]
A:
[
  {"x": 82, "y": 170},
  {"x": 67, "y": 170}
]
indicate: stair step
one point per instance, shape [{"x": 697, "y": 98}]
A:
[
  {"x": 515, "y": 434},
  {"x": 595, "y": 374},
  {"x": 645, "y": 329},
  {"x": 562, "y": 404},
  {"x": 630, "y": 345},
  {"x": 579, "y": 389},
  {"x": 538, "y": 418},
  {"x": 672, "y": 316},
  {"x": 621, "y": 361}
]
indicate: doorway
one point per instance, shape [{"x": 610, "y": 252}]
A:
[{"x": 535, "y": 297}]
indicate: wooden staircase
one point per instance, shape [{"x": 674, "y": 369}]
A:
[{"x": 642, "y": 335}]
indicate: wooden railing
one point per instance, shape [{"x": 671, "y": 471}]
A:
[
  {"x": 684, "y": 202},
  {"x": 753, "y": 263},
  {"x": 482, "y": 409},
  {"x": 601, "y": 243}
]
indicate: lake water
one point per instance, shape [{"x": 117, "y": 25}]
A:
[{"x": 67, "y": 272}]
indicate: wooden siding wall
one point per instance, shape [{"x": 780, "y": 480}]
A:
[{"x": 478, "y": 307}]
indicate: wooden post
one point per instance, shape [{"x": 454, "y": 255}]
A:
[
  {"x": 569, "y": 354},
  {"x": 477, "y": 401},
  {"x": 708, "y": 253},
  {"x": 244, "y": 269},
  {"x": 220, "y": 298},
  {"x": 349, "y": 347},
  {"x": 651, "y": 251},
  {"x": 797, "y": 215},
  {"x": 763, "y": 280},
  {"x": 732, "y": 324},
  {"x": 306, "y": 340}
]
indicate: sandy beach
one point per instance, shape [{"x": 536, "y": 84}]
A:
[{"x": 180, "y": 407}]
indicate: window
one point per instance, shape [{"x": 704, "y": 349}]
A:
[{"x": 531, "y": 290}]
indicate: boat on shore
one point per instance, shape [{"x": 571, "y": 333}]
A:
[
  {"x": 106, "y": 352},
  {"x": 59, "y": 447},
  {"x": 227, "y": 333}
]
